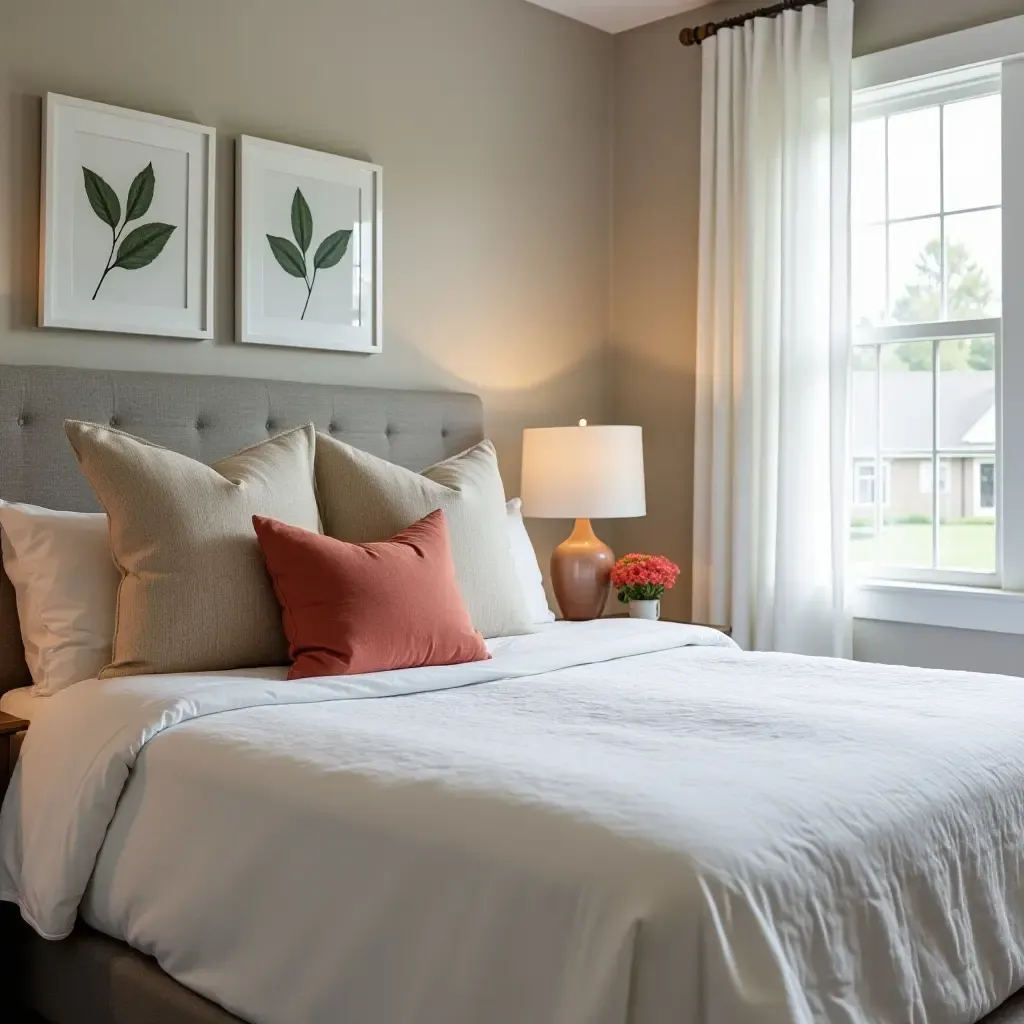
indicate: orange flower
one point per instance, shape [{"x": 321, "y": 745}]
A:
[{"x": 643, "y": 577}]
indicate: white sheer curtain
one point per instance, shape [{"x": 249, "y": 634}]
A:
[{"x": 773, "y": 335}]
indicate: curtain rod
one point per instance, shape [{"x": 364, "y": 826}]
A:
[{"x": 696, "y": 36}]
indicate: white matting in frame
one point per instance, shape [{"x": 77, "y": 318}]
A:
[
  {"x": 127, "y": 221},
  {"x": 309, "y": 259}
]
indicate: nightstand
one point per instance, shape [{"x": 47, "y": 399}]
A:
[
  {"x": 9, "y": 728},
  {"x": 727, "y": 630}
]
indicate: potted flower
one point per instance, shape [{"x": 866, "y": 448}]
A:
[{"x": 641, "y": 581}]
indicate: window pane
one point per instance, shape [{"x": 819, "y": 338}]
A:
[
  {"x": 914, "y": 163},
  {"x": 863, "y": 442},
  {"x": 972, "y": 153},
  {"x": 869, "y": 276},
  {"x": 905, "y": 534},
  {"x": 868, "y": 171},
  {"x": 905, "y": 540},
  {"x": 864, "y": 403},
  {"x": 906, "y": 417},
  {"x": 974, "y": 264},
  {"x": 864, "y": 483},
  {"x": 967, "y": 436},
  {"x": 968, "y": 541},
  {"x": 926, "y": 482},
  {"x": 915, "y": 271},
  {"x": 870, "y": 529}
]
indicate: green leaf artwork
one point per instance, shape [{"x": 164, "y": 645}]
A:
[
  {"x": 302, "y": 221},
  {"x": 291, "y": 256},
  {"x": 141, "y": 245},
  {"x": 140, "y": 194},
  {"x": 288, "y": 256},
  {"x": 102, "y": 198},
  {"x": 331, "y": 249}
]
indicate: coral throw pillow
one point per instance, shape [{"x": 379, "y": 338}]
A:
[{"x": 350, "y": 608}]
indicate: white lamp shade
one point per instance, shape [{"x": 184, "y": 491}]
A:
[{"x": 583, "y": 473}]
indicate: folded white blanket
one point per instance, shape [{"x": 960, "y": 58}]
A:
[{"x": 604, "y": 824}]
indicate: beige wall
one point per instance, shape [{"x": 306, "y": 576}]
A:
[
  {"x": 492, "y": 119},
  {"x": 654, "y": 269}
]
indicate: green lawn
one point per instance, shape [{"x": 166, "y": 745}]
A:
[{"x": 961, "y": 546}]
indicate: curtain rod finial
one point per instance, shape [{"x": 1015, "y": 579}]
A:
[{"x": 696, "y": 36}]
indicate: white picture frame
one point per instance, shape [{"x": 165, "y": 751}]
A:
[
  {"x": 306, "y": 219},
  {"x": 149, "y": 269}
]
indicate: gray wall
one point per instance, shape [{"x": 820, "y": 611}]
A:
[
  {"x": 654, "y": 274},
  {"x": 492, "y": 119}
]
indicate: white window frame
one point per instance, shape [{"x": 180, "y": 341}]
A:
[{"x": 993, "y": 602}]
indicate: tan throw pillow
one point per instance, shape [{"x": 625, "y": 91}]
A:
[
  {"x": 363, "y": 499},
  {"x": 195, "y": 595}
]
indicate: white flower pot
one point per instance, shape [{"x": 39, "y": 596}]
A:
[{"x": 645, "y": 610}]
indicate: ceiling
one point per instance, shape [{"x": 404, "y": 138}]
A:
[{"x": 618, "y": 15}]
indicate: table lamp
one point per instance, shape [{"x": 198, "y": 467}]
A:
[{"x": 583, "y": 473}]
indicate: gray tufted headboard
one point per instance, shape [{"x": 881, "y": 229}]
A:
[{"x": 203, "y": 417}]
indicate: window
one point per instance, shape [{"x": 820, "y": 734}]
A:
[
  {"x": 984, "y": 488},
  {"x": 864, "y": 476},
  {"x": 927, "y": 304},
  {"x": 926, "y": 478}
]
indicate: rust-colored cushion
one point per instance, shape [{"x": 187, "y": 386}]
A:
[{"x": 350, "y": 608}]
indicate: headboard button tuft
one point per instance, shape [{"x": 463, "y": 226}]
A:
[
  {"x": 114, "y": 421},
  {"x": 200, "y": 424},
  {"x": 271, "y": 424},
  {"x": 22, "y": 421}
]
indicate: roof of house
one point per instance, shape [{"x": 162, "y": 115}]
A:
[{"x": 967, "y": 420}]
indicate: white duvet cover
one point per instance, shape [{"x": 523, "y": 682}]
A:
[{"x": 605, "y": 824}]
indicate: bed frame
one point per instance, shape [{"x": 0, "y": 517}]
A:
[{"x": 90, "y": 978}]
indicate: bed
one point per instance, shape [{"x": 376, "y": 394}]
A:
[{"x": 607, "y": 823}]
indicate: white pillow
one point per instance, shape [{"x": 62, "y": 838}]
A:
[
  {"x": 527, "y": 566},
  {"x": 66, "y": 584}
]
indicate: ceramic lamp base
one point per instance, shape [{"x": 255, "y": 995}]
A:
[{"x": 581, "y": 572}]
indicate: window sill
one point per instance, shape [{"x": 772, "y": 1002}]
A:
[{"x": 932, "y": 604}]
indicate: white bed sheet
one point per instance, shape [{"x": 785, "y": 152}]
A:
[
  {"x": 24, "y": 702},
  {"x": 611, "y": 827}
]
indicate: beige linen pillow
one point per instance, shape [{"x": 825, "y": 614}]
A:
[
  {"x": 194, "y": 593},
  {"x": 363, "y": 498}
]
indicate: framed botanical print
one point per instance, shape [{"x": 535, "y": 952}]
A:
[
  {"x": 127, "y": 221},
  {"x": 309, "y": 256}
]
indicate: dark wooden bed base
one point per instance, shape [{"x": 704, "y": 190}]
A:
[{"x": 92, "y": 979}]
